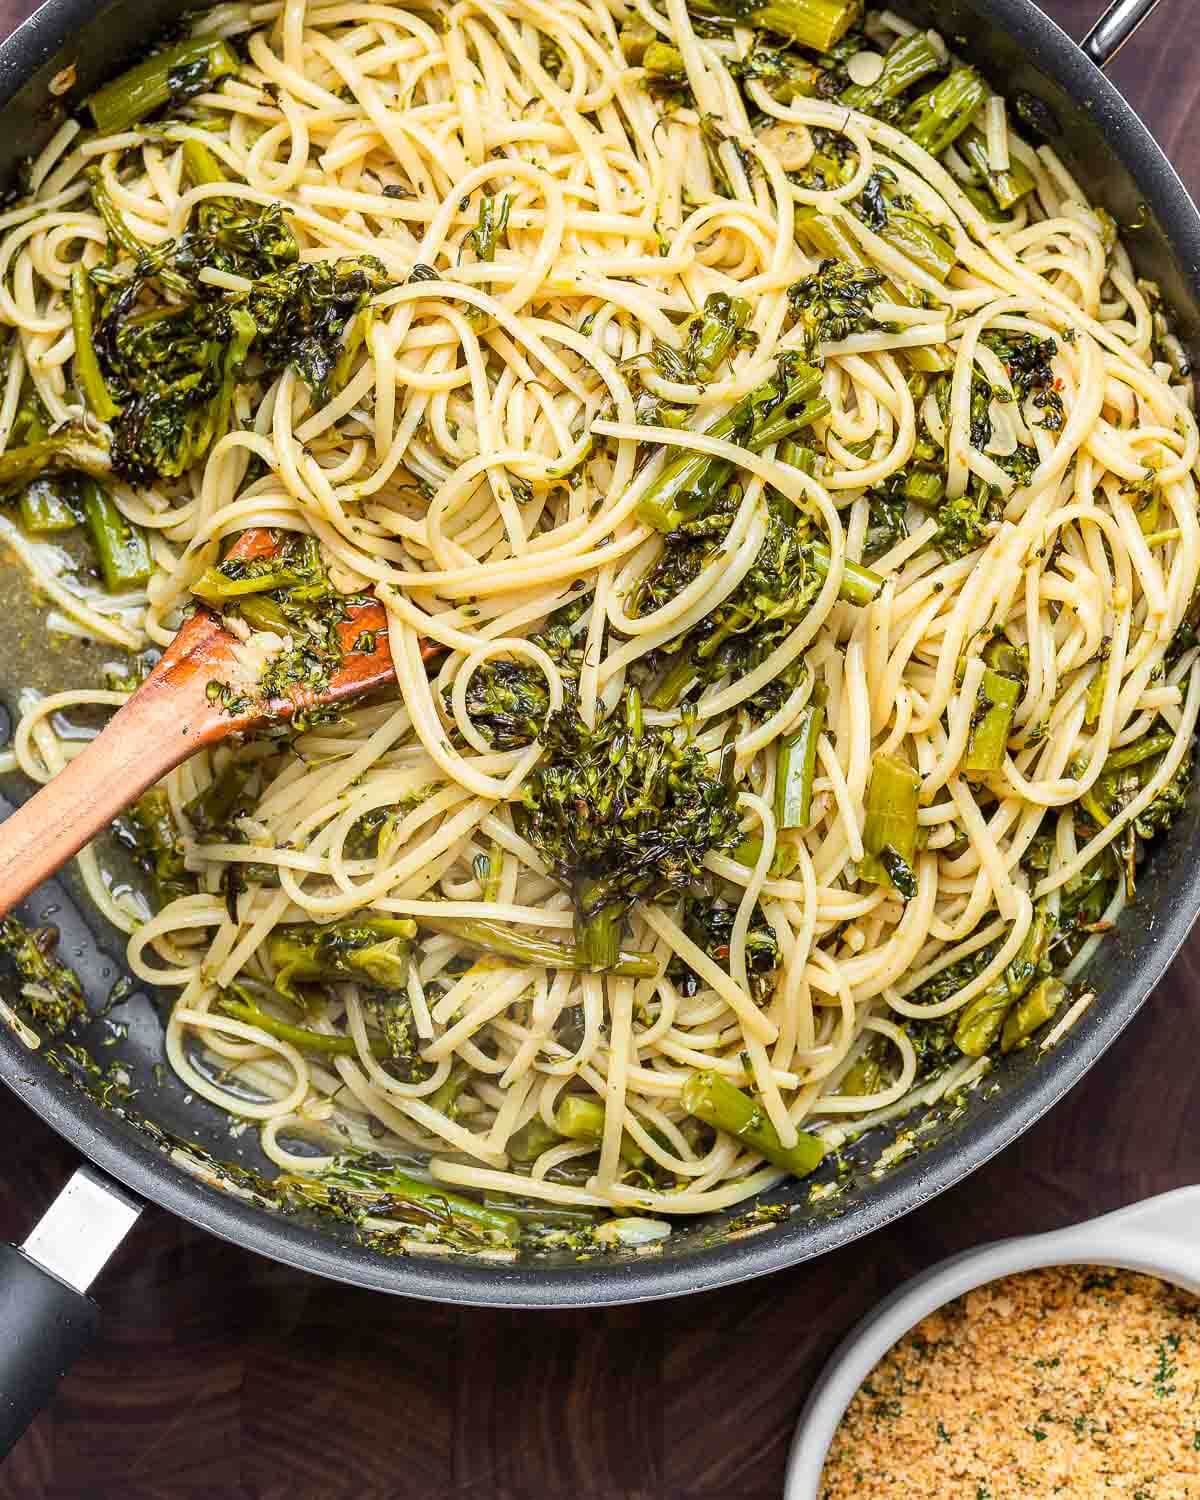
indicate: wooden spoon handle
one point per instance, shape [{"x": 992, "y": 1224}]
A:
[{"x": 166, "y": 720}]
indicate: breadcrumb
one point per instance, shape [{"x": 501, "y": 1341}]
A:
[{"x": 1074, "y": 1381}]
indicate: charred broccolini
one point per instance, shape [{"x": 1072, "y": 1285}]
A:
[
  {"x": 508, "y": 700},
  {"x": 741, "y": 632},
  {"x": 621, "y": 813},
  {"x": 708, "y": 921},
  {"x": 835, "y": 302},
  {"x": 357, "y": 1186},
  {"x": 159, "y": 351},
  {"x": 50, "y": 993}
]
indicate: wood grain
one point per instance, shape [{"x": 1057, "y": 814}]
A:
[{"x": 222, "y": 1374}]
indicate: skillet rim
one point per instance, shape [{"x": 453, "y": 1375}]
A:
[{"x": 146, "y": 1172}]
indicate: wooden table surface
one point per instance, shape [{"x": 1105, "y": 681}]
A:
[{"x": 222, "y": 1374}]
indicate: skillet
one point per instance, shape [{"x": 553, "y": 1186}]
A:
[{"x": 135, "y": 1150}]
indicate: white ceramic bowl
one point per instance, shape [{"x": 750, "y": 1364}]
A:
[{"x": 1160, "y": 1236}]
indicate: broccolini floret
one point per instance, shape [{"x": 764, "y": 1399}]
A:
[
  {"x": 392, "y": 1012},
  {"x": 834, "y": 302},
  {"x": 508, "y": 701},
  {"x": 708, "y": 921},
  {"x": 171, "y": 368},
  {"x": 787, "y": 74},
  {"x": 288, "y": 592},
  {"x": 621, "y": 813},
  {"x": 50, "y": 992},
  {"x": 1027, "y": 358},
  {"x": 962, "y": 526},
  {"x": 223, "y": 238}
]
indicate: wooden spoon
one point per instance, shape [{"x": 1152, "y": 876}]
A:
[{"x": 167, "y": 719}]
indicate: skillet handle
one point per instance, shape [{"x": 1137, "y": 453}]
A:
[
  {"x": 47, "y": 1319},
  {"x": 1114, "y": 28}
]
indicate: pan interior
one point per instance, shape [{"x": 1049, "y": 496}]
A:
[{"x": 1018, "y": 49}]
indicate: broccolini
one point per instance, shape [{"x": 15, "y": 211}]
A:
[{"x": 621, "y": 813}]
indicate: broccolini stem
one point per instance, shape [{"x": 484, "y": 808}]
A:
[
  {"x": 391, "y": 1189},
  {"x": 150, "y": 84},
  {"x": 859, "y": 585},
  {"x": 492, "y": 223},
  {"x": 121, "y": 234},
  {"x": 720, "y": 323},
  {"x": 210, "y": 809},
  {"x": 865, "y": 1076},
  {"x": 984, "y": 202},
  {"x": 717, "y": 1102},
  {"x": 635, "y": 36},
  {"x": 1007, "y": 187},
  {"x": 1001, "y": 654},
  {"x": 201, "y": 166},
  {"x": 510, "y": 942},
  {"x": 243, "y": 1008},
  {"x": 633, "y": 712},
  {"x": 890, "y": 829},
  {"x": 796, "y": 770},
  {"x": 495, "y": 1221},
  {"x": 528, "y": 1143},
  {"x": 818, "y": 24},
  {"x": 826, "y": 237},
  {"x": 907, "y": 62},
  {"x": 692, "y": 481},
  {"x": 797, "y": 456},
  {"x": 217, "y": 588},
  {"x": 87, "y": 365},
  {"x": 44, "y": 511},
  {"x": 664, "y": 61},
  {"x": 989, "y": 733},
  {"x": 261, "y": 612},
  {"x": 919, "y": 240},
  {"x": 597, "y": 932},
  {"x": 749, "y": 851},
  {"x": 160, "y": 838},
  {"x": 121, "y": 547},
  {"x": 980, "y": 1022},
  {"x": 1033, "y": 1011},
  {"x": 445, "y": 1096},
  {"x": 114, "y": 221},
  {"x": 781, "y": 425},
  {"x": 582, "y": 1119},
  {"x": 374, "y": 952},
  {"x": 1147, "y": 748},
  {"x": 939, "y": 116},
  {"x": 68, "y": 449},
  {"x": 678, "y": 679}
]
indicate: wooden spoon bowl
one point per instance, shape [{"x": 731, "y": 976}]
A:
[{"x": 171, "y": 716}]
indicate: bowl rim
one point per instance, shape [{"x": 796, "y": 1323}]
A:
[{"x": 1157, "y": 1236}]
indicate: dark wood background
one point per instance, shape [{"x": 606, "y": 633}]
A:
[{"x": 221, "y": 1374}]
